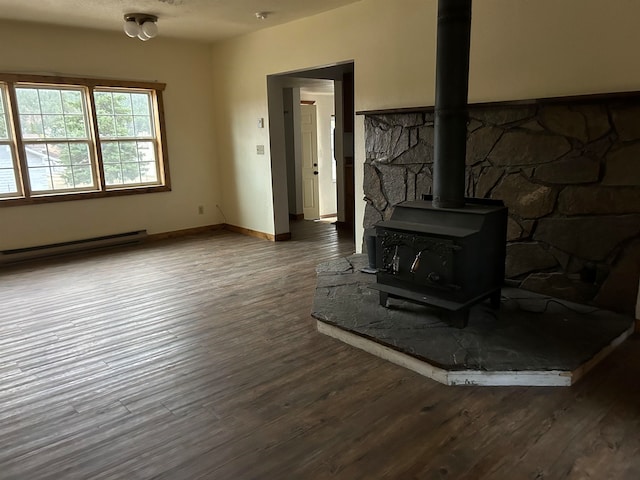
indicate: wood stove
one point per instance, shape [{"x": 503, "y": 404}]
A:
[
  {"x": 447, "y": 258},
  {"x": 445, "y": 250}
]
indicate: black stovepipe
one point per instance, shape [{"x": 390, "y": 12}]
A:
[{"x": 452, "y": 85}]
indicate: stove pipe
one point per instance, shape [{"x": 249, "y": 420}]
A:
[{"x": 452, "y": 85}]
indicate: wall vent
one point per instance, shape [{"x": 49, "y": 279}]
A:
[{"x": 55, "y": 249}]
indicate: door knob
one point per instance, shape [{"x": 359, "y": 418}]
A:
[
  {"x": 315, "y": 164},
  {"x": 315, "y": 173}
]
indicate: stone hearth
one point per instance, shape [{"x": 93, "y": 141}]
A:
[{"x": 533, "y": 339}]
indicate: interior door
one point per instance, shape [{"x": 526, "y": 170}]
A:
[{"x": 309, "y": 134}]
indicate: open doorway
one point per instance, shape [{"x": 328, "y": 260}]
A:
[{"x": 307, "y": 186}]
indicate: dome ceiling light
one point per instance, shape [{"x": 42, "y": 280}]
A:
[{"x": 140, "y": 25}]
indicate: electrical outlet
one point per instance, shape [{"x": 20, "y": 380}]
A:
[
  {"x": 260, "y": 149},
  {"x": 200, "y": 209}
]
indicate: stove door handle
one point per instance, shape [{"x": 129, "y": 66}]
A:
[{"x": 416, "y": 263}]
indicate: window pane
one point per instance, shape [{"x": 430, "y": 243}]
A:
[
  {"x": 52, "y": 113},
  {"x": 148, "y": 172},
  {"x": 124, "y": 126},
  {"x": 104, "y": 105},
  {"x": 37, "y": 155},
  {"x": 54, "y": 126},
  {"x": 31, "y": 126},
  {"x": 106, "y": 126},
  {"x": 140, "y": 102},
  {"x": 50, "y": 101},
  {"x": 130, "y": 173},
  {"x": 6, "y": 159},
  {"x": 129, "y": 162},
  {"x": 82, "y": 176},
  {"x": 59, "y": 166},
  {"x": 113, "y": 174},
  {"x": 72, "y": 102},
  {"x": 128, "y": 151},
  {"x": 4, "y": 129},
  {"x": 124, "y": 115},
  {"x": 79, "y": 154},
  {"x": 58, "y": 153},
  {"x": 76, "y": 126},
  {"x": 146, "y": 152},
  {"x": 142, "y": 125},
  {"x": 7, "y": 175},
  {"x": 28, "y": 100},
  {"x": 40, "y": 179},
  {"x": 122, "y": 103},
  {"x": 110, "y": 152}
]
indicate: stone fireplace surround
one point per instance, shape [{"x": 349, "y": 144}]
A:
[{"x": 568, "y": 169}]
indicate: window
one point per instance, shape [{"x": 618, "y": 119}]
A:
[
  {"x": 126, "y": 137},
  {"x": 72, "y": 138}
]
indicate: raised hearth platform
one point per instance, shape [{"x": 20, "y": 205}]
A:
[{"x": 532, "y": 340}]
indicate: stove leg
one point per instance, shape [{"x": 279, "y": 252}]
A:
[
  {"x": 459, "y": 319},
  {"x": 384, "y": 296},
  {"x": 495, "y": 299}
]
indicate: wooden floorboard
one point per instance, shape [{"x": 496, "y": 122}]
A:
[{"x": 197, "y": 358}]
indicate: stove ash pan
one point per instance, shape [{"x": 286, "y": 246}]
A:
[{"x": 447, "y": 258}]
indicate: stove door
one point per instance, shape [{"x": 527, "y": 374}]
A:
[{"x": 416, "y": 261}]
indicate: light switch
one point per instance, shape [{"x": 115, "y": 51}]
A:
[
  {"x": 261, "y": 123},
  {"x": 260, "y": 149}
]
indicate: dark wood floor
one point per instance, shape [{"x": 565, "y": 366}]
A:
[{"x": 197, "y": 358}]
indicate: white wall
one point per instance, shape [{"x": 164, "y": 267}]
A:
[
  {"x": 186, "y": 69},
  {"x": 326, "y": 186},
  {"x": 520, "y": 49}
]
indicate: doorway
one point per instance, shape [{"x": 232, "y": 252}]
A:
[{"x": 286, "y": 93}]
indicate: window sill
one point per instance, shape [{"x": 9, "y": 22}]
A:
[{"x": 53, "y": 198}]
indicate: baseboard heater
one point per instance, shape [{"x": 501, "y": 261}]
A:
[{"x": 55, "y": 249}]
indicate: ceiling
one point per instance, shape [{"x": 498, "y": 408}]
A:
[{"x": 202, "y": 20}]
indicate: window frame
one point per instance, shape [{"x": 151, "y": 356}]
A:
[
  {"x": 89, "y": 85},
  {"x": 10, "y": 142}
]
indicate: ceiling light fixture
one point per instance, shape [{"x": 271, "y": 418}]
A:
[
  {"x": 140, "y": 25},
  {"x": 262, "y": 15}
]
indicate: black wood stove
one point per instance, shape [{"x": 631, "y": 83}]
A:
[
  {"x": 445, "y": 250},
  {"x": 447, "y": 258}
]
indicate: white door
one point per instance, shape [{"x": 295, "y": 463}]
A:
[{"x": 309, "y": 134}]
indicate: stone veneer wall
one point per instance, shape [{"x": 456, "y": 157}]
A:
[{"x": 567, "y": 169}]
